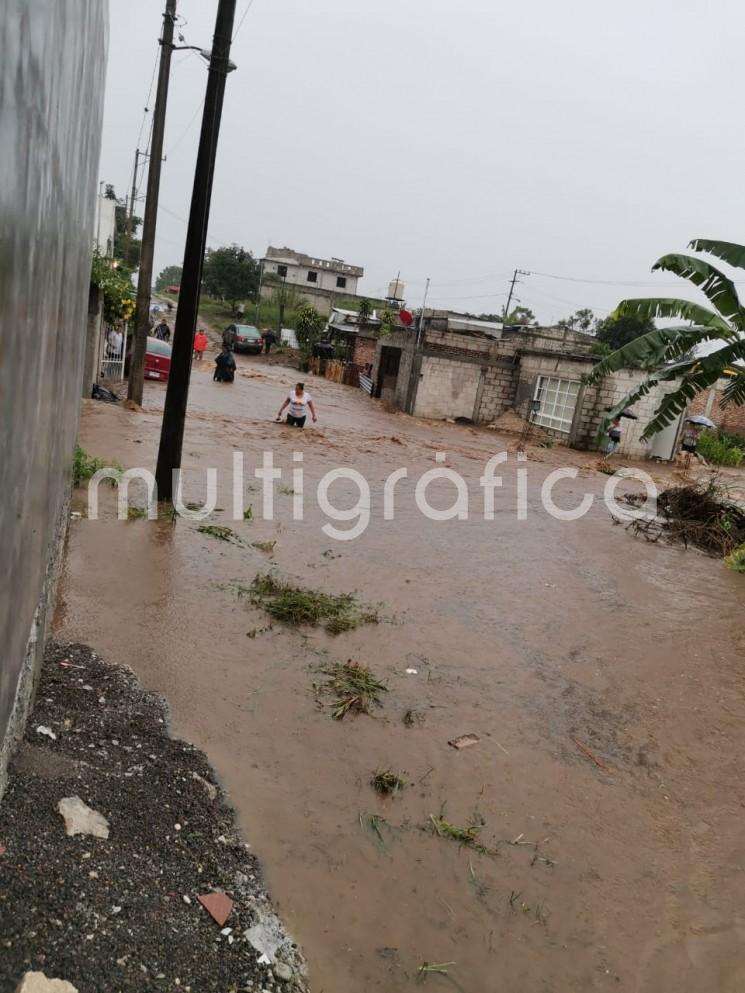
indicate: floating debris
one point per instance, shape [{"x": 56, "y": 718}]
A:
[
  {"x": 354, "y": 688},
  {"x": 297, "y": 606}
]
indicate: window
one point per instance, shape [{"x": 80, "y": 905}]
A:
[
  {"x": 557, "y": 398},
  {"x": 312, "y": 277},
  {"x": 341, "y": 282},
  {"x": 282, "y": 271}
]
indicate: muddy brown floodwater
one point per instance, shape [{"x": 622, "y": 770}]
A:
[{"x": 621, "y": 869}]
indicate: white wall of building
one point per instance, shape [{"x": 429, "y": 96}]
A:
[
  {"x": 326, "y": 279},
  {"x": 104, "y": 226}
]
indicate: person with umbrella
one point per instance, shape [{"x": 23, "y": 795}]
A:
[
  {"x": 614, "y": 431},
  {"x": 689, "y": 439}
]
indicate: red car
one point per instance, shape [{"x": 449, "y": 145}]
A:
[{"x": 157, "y": 360}]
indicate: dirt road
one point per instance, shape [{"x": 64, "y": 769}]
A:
[{"x": 603, "y": 677}]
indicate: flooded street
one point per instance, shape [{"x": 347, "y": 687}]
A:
[{"x": 602, "y": 675}]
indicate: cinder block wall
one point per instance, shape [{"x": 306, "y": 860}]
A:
[
  {"x": 52, "y": 72},
  {"x": 447, "y": 388}
]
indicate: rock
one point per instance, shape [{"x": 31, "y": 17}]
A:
[
  {"x": 211, "y": 790},
  {"x": 80, "y": 819},
  {"x": 37, "y": 982},
  {"x": 283, "y": 972}
]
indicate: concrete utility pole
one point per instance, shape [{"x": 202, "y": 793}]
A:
[
  {"x": 145, "y": 278},
  {"x": 130, "y": 212},
  {"x": 516, "y": 273},
  {"x": 177, "y": 394}
]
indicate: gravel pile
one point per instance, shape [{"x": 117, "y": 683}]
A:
[{"x": 122, "y": 912}]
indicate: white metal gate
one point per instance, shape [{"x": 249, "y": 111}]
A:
[{"x": 112, "y": 346}]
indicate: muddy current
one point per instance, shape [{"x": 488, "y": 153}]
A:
[{"x": 603, "y": 678}]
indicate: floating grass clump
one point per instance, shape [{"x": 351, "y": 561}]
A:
[
  {"x": 353, "y": 687},
  {"x": 264, "y": 546},
  {"x": 387, "y": 782},
  {"x": 463, "y": 835},
  {"x": 297, "y": 606},
  {"x": 218, "y": 531}
]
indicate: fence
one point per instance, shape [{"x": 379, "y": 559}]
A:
[{"x": 112, "y": 347}]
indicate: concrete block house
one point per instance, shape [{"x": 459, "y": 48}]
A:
[{"x": 459, "y": 368}]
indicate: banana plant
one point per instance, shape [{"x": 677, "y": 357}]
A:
[{"x": 669, "y": 354}]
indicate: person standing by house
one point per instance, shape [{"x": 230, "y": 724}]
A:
[
  {"x": 270, "y": 339},
  {"x": 689, "y": 443},
  {"x": 614, "y": 436},
  {"x": 200, "y": 345},
  {"x": 115, "y": 343},
  {"x": 299, "y": 403}
]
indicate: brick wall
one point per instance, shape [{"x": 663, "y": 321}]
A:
[
  {"x": 708, "y": 402},
  {"x": 364, "y": 351}
]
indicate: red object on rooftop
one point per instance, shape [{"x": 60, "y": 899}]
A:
[{"x": 406, "y": 317}]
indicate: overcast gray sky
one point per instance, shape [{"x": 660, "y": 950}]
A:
[{"x": 454, "y": 140}]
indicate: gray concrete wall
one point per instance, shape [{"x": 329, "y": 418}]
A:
[{"x": 52, "y": 69}]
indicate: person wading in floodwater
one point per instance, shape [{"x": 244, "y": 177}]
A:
[{"x": 299, "y": 403}]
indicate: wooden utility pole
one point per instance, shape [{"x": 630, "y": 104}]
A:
[
  {"x": 177, "y": 394},
  {"x": 145, "y": 278}
]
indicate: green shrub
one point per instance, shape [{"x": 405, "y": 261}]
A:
[
  {"x": 733, "y": 439},
  {"x": 85, "y": 466},
  {"x": 718, "y": 450},
  {"x": 736, "y": 560}
]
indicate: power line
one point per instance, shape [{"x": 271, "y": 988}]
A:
[
  {"x": 602, "y": 282},
  {"x": 149, "y": 94},
  {"x": 245, "y": 13},
  {"x": 186, "y": 130},
  {"x": 477, "y": 296},
  {"x": 225, "y": 244}
]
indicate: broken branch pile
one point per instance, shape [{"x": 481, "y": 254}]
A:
[{"x": 700, "y": 515}]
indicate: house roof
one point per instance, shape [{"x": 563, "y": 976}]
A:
[{"x": 290, "y": 256}]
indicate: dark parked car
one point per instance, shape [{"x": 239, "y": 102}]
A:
[{"x": 247, "y": 338}]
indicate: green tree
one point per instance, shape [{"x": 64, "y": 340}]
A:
[
  {"x": 671, "y": 353},
  {"x": 518, "y": 315},
  {"x": 170, "y": 276},
  {"x": 115, "y": 282},
  {"x": 126, "y": 247},
  {"x": 581, "y": 320},
  {"x": 365, "y": 309},
  {"x": 285, "y": 298},
  {"x": 618, "y": 330},
  {"x": 309, "y": 326},
  {"x": 231, "y": 274}
]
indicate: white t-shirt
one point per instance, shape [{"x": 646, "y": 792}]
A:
[{"x": 298, "y": 404}]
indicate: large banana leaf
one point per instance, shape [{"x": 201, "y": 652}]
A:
[
  {"x": 651, "y": 307},
  {"x": 734, "y": 392},
  {"x": 727, "y": 251},
  {"x": 655, "y": 348},
  {"x": 695, "y": 374},
  {"x": 718, "y": 288}
]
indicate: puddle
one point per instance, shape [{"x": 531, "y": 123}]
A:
[{"x": 526, "y": 634}]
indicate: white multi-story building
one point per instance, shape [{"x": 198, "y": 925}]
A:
[{"x": 308, "y": 272}]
